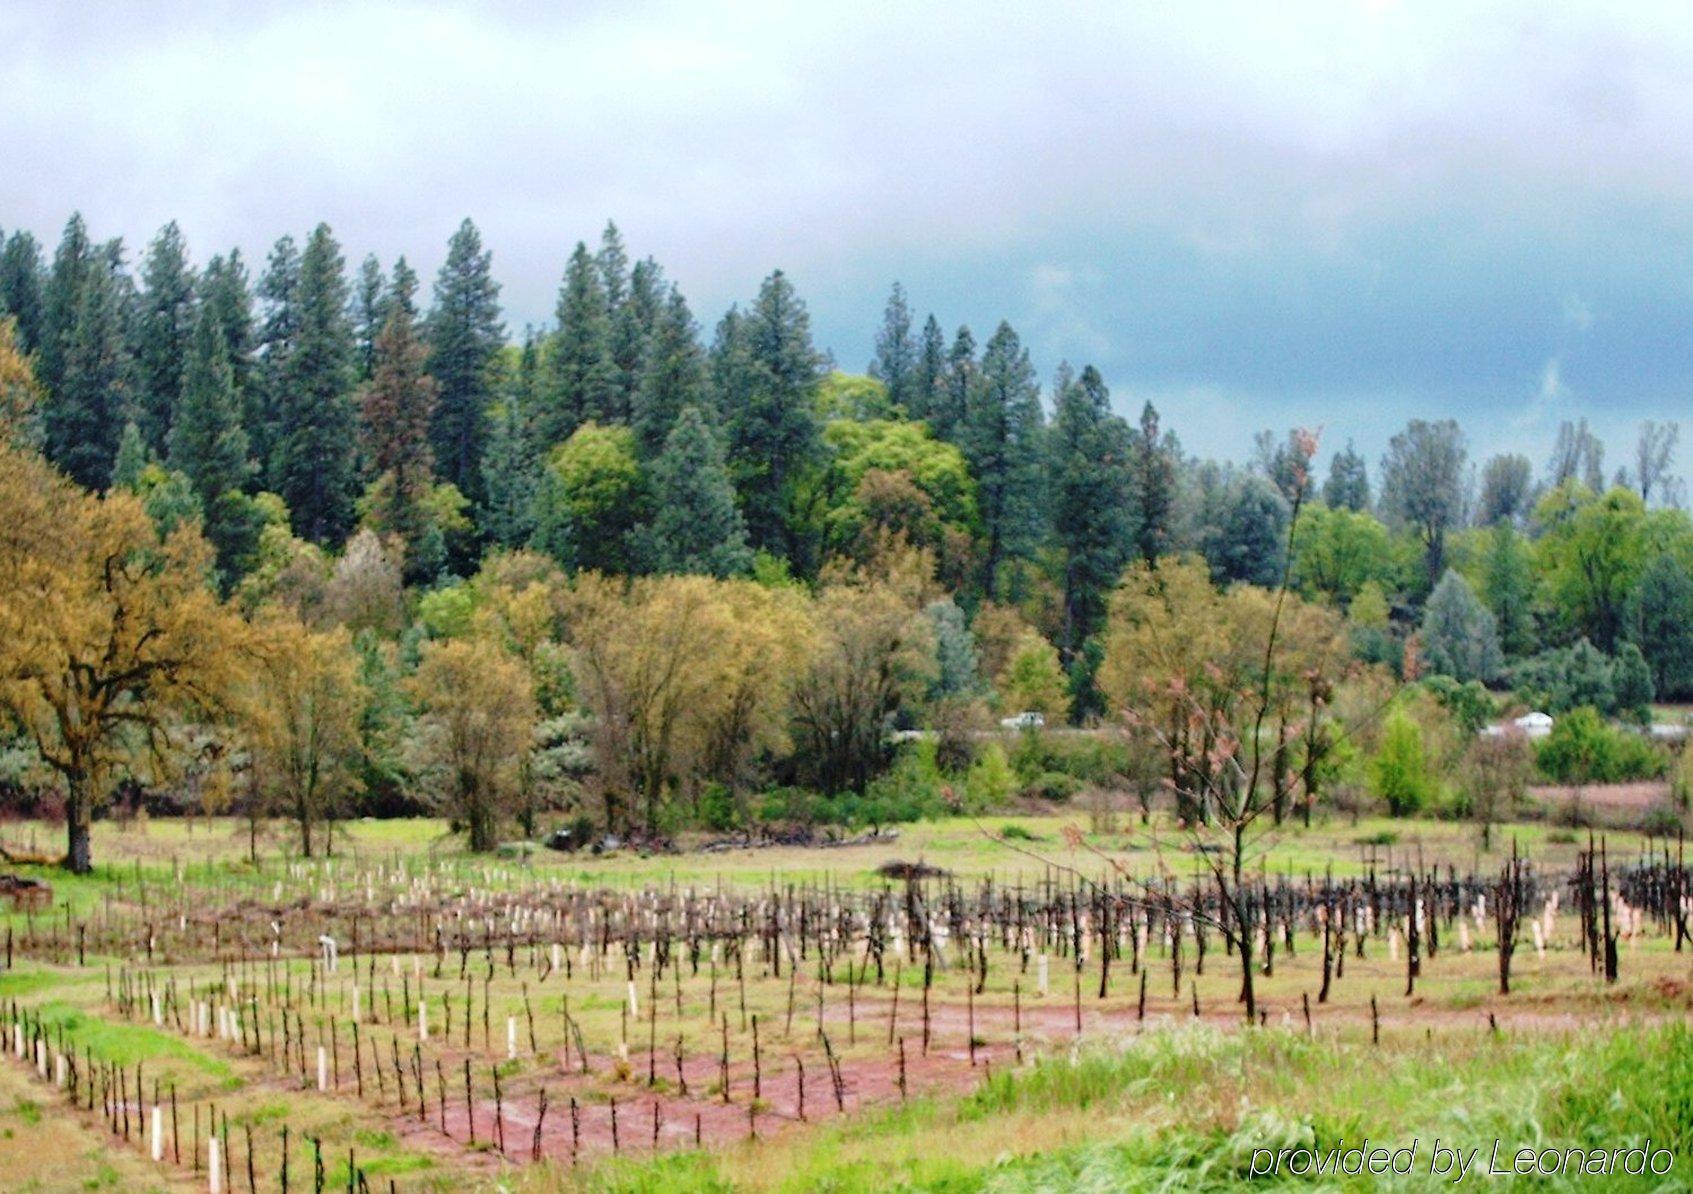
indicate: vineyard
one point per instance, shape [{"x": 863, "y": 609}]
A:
[{"x": 404, "y": 1018}]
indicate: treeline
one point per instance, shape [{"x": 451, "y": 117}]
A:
[{"x": 383, "y": 469}]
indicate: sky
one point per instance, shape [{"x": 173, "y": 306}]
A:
[{"x": 1254, "y": 215}]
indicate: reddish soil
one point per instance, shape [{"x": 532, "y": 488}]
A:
[{"x": 871, "y": 1081}]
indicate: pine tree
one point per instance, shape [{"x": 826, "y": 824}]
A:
[
  {"x": 1154, "y": 486},
  {"x": 929, "y": 373},
  {"x": 314, "y": 449},
  {"x": 465, "y": 336},
  {"x": 730, "y": 372},
  {"x": 164, "y": 328},
  {"x": 1348, "y": 486},
  {"x": 697, "y": 528},
  {"x": 1002, "y": 439},
  {"x": 1091, "y": 514},
  {"x": 209, "y": 446},
  {"x": 509, "y": 478},
  {"x": 896, "y": 360},
  {"x": 84, "y": 415},
  {"x": 674, "y": 376},
  {"x": 131, "y": 458},
  {"x": 279, "y": 292},
  {"x": 625, "y": 336},
  {"x": 772, "y": 422},
  {"x": 1250, "y": 545},
  {"x": 207, "y": 442},
  {"x": 612, "y": 261},
  {"x": 224, "y": 293},
  {"x": 402, "y": 295},
  {"x": 582, "y": 379},
  {"x": 396, "y": 406},
  {"x": 634, "y": 324},
  {"x": 22, "y": 280},
  {"x": 73, "y": 265},
  {"x": 369, "y": 312},
  {"x": 952, "y": 400}
]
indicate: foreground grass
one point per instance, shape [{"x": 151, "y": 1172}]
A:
[
  {"x": 1192, "y": 1108},
  {"x": 44, "y": 1150}
]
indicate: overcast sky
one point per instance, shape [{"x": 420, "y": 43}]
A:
[{"x": 1254, "y": 214}]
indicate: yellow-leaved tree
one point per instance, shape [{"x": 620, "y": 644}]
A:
[
  {"x": 477, "y": 708},
  {"x": 762, "y": 645},
  {"x": 109, "y": 635},
  {"x": 644, "y": 655},
  {"x": 19, "y": 394},
  {"x": 304, "y": 718},
  {"x": 875, "y": 649}
]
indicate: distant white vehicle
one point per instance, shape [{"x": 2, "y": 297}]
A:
[
  {"x": 1529, "y": 725},
  {"x": 1027, "y": 720}
]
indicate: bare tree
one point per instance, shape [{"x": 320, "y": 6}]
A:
[
  {"x": 1577, "y": 455},
  {"x": 1653, "y": 453}
]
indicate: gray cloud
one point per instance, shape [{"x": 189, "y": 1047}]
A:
[{"x": 1354, "y": 210}]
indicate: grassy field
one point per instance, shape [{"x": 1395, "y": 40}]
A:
[
  {"x": 1087, "y": 1080},
  {"x": 968, "y": 848}
]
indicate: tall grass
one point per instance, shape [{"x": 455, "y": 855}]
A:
[{"x": 1186, "y": 1108}]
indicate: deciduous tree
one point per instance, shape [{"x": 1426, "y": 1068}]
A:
[
  {"x": 477, "y": 719},
  {"x": 108, "y": 635}
]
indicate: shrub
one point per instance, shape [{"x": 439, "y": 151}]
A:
[
  {"x": 1053, "y": 785},
  {"x": 1633, "y": 683},
  {"x": 1582, "y": 748},
  {"x": 1098, "y": 761},
  {"x": 1564, "y": 678},
  {"x": 1661, "y": 820},
  {"x": 1469, "y": 703},
  {"x": 717, "y": 808},
  {"x": 990, "y": 781}
]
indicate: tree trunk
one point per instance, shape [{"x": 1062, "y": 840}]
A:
[
  {"x": 79, "y": 817},
  {"x": 303, "y": 814},
  {"x": 1243, "y": 924}
]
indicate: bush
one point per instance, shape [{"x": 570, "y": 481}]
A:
[
  {"x": 1469, "y": 703},
  {"x": 991, "y": 780},
  {"x": 1054, "y": 786},
  {"x": 1564, "y": 678},
  {"x": 1661, "y": 820},
  {"x": 717, "y": 808},
  {"x": 1582, "y": 748},
  {"x": 1091, "y": 760}
]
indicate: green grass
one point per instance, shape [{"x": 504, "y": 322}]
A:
[
  {"x": 127, "y": 1044},
  {"x": 1191, "y": 1108},
  {"x": 212, "y": 854}
]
